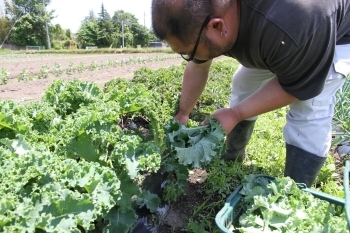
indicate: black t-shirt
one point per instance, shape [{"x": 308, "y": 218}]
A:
[{"x": 294, "y": 39}]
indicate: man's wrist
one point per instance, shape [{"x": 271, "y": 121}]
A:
[
  {"x": 235, "y": 116},
  {"x": 182, "y": 112}
]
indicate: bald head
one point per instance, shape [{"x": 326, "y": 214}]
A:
[{"x": 183, "y": 19}]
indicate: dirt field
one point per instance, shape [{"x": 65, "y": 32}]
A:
[
  {"x": 32, "y": 90},
  {"x": 29, "y": 91}
]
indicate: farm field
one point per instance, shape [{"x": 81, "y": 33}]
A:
[
  {"x": 124, "y": 66},
  {"x": 99, "y": 68},
  {"x": 78, "y": 158}
]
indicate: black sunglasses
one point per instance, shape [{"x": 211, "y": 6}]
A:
[{"x": 191, "y": 56}]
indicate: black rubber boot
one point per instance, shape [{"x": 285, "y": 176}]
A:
[
  {"x": 302, "y": 166},
  {"x": 237, "y": 140}
]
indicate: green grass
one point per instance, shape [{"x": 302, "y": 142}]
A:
[
  {"x": 5, "y": 51},
  {"x": 342, "y": 113},
  {"x": 265, "y": 155}
]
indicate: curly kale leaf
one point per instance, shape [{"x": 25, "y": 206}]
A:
[
  {"x": 278, "y": 205},
  {"x": 195, "y": 145}
]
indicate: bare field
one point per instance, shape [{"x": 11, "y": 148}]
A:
[{"x": 33, "y": 63}]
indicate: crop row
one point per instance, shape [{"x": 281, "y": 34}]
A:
[
  {"x": 76, "y": 161},
  {"x": 57, "y": 70}
]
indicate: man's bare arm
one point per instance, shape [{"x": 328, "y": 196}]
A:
[
  {"x": 268, "y": 98},
  {"x": 194, "y": 81}
]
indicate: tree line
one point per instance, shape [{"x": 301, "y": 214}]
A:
[{"x": 24, "y": 22}]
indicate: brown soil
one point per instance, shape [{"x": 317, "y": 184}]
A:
[
  {"x": 339, "y": 160},
  {"x": 32, "y": 90},
  {"x": 181, "y": 210}
]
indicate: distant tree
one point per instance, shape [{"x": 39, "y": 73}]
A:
[
  {"x": 124, "y": 20},
  {"x": 113, "y": 39},
  {"x": 29, "y": 18},
  {"x": 106, "y": 27},
  {"x": 90, "y": 33},
  {"x": 104, "y": 15},
  {"x": 58, "y": 33},
  {"x": 91, "y": 16},
  {"x": 152, "y": 37},
  {"x": 28, "y": 32},
  {"x": 121, "y": 15},
  {"x": 16, "y": 8},
  {"x": 59, "y": 37},
  {"x": 69, "y": 34},
  {"x": 5, "y": 27},
  {"x": 106, "y": 31},
  {"x": 141, "y": 35}
]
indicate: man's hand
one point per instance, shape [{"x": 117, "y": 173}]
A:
[
  {"x": 226, "y": 119},
  {"x": 183, "y": 119},
  {"x": 270, "y": 97}
]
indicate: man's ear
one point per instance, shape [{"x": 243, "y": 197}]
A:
[{"x": 217, "y": 27}]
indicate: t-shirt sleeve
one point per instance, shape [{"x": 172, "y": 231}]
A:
[{"x": 304, "y": 67}]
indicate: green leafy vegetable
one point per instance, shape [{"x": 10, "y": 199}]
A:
[
  {"x": 195, "y": 145},
  {"x": 74, "y": 161},
  {"x": 280, "y": 206}
]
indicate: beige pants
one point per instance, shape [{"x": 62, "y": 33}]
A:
[{"x": 309, "y": 122}]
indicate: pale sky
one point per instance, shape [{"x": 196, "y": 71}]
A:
[{"x": 70, "y": 13}]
